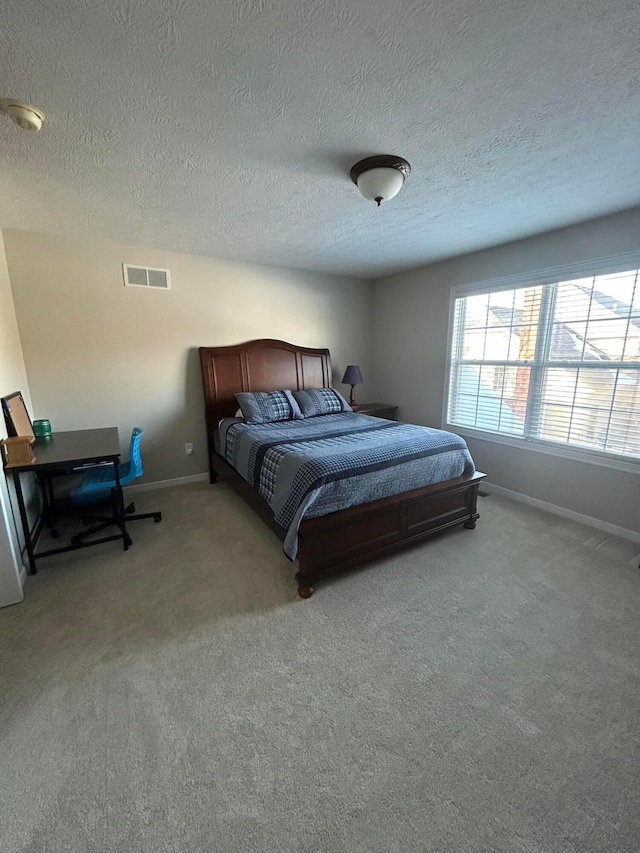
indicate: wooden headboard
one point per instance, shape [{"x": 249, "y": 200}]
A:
[{"x": 262, "y": 365}]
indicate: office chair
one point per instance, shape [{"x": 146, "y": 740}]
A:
[{"x": 99, "y": 484}]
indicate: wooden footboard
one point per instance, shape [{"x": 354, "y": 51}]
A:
[
  {"x": 354, "y": 536},
  {"x": 362, "y": 533}
]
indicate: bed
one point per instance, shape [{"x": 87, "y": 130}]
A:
[{"x": 334, "y": 540}]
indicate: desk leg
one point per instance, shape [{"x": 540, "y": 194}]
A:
[
  {"x": 25, "y": 524},
  {"x": 45, "y": 481},
  {"x": 120, "y": 502}
]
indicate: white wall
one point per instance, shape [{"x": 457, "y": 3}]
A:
[
  {"x": 410, "y": 334},
  {"x": 99, "y": 354},
  {"x": 12, "y": 378}
]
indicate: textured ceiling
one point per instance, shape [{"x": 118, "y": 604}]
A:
[{"x": 228, "y": 128}]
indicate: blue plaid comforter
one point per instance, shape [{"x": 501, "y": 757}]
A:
[{"x": 311, "y": 467}]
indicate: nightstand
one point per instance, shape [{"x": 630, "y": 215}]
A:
[{"x": 378, "y": 410}]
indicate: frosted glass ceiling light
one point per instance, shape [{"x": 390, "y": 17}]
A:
[
  {"x": 24, "y": 115},
  {"x": 381, "y": 177}
]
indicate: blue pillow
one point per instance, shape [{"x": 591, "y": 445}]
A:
[
  {"x": 321, "y": 401},
  {"x": 263, "y": 407}
]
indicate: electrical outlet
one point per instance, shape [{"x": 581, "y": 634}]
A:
[{"x": 188, "y": 448}]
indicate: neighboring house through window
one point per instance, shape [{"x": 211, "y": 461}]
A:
[{"x": 556, "y": 364}]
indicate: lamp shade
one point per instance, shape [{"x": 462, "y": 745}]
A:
[
  {"x": 381, "y": 177},
  {"x": 383, "y": 184},
  {"x": 352, "y": 375}
]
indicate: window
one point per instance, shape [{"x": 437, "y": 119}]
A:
[{"x": 552, "y": 363}]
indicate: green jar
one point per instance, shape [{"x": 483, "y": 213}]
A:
[{"x": 42, "y": 428}]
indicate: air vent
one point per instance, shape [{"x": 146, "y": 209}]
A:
[{"x": 146, "y": 277}]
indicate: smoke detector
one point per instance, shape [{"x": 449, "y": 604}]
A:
[{"x": 24, "y": 115}]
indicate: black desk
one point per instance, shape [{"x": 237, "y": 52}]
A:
[{"x": 62, "y": 452}]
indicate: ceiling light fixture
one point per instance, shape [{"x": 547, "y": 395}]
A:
[
  {"x": 24, "y": 115},
  {"x": 380, "y": 178}
]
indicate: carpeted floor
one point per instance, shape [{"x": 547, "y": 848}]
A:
[{"x": 480, "y": 692}]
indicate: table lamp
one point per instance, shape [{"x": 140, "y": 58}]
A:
[{"x": 353, "y": 377}]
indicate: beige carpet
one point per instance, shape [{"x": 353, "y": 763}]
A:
[{"x": 480, "y": 692}]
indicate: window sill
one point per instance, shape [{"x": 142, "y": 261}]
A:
[{"x": 564, "y": 451}]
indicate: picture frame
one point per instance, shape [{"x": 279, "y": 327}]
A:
[{"x": 17, "y": 417}]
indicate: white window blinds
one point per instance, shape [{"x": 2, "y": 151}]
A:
[{"x": 556, "y": 363}]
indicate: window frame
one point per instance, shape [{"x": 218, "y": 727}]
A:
[{"x": 550, "y": 275}]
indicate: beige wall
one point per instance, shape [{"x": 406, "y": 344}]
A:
[
  {"x": 100, "y": 354},
  {"x": 410, "y": 334},
  {"x": 12, "y": 378}
]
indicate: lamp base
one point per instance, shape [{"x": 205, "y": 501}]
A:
[{"x": 352, "y": 399}]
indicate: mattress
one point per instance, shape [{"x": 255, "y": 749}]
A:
[{"x": 312, "y": 467}]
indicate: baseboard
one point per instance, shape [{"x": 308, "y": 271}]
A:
[
  {"x": 167, "y": 484},
  {"x": 605, "y": 526}
]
